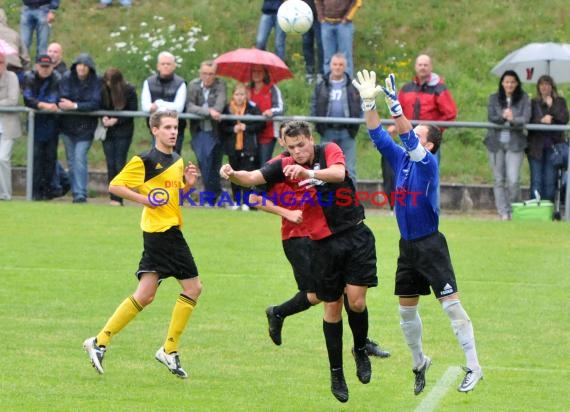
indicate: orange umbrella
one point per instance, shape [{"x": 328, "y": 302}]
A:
[{"x": 237, "y": 64}]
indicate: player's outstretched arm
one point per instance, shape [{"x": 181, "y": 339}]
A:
[
  {"x": 365, "y": 83},
  {"x": 242, "y": 177}
]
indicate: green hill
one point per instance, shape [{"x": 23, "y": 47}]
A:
[{"x": 465, "y": 38}]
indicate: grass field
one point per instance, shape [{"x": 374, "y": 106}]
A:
[{"x": 66, "y": 267}]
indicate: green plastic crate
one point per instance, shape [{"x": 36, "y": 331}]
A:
[{"x": 533, "y": 210}]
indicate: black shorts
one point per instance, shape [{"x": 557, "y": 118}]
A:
[
  {"x": 167, "y": 254},
  {"x": 344, "y": 258},
  {"x": 299, "y": 252},
  {"x": 423, "y": 263}
]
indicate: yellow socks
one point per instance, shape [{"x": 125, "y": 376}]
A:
[
  {"x": 126, "y": 312},
  {"x": 180, "y": 315}
]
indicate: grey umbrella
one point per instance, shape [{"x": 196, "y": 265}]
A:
[{"x": 535, "y": 59}]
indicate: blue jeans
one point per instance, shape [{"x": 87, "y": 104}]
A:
[
  {"x": 265, "y": 152},
  {"x": 542, "y": 175},
  {"x": 348, "y": 145},
  {"x": 116, "y": 150},
  {"x": 311, "y": 39},
  {"x": 209, "y": 153},
  {"x": 337, "y": 38},
  {"x": 266, "y": 23},
  {"x": 35, "y": 19},
  {"x": 76, "y": 153}
]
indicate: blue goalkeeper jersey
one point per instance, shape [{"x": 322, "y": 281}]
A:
[{"x": 415, "y": 196}]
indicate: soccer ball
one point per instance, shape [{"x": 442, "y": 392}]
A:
[{"x": 295, "y": 16}]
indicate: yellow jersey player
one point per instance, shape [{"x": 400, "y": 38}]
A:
[{"x": 155, "y": 179}]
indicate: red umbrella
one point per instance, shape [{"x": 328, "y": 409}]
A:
[
  {"x": 237, "y": 65},
  {"x": 6, "y": 49}
]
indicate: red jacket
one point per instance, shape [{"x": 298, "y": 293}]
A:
[{"x": 428, "y": 101}]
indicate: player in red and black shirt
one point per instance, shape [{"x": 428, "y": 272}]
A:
[{"x": 344, "y": 253}]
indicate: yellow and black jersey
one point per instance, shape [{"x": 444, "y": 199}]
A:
[{"x": 159, "y": 176}]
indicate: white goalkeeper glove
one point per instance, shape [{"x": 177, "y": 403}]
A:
[
  {"x": 391, "y": 96},
  {"x": 366, "y": 86}
]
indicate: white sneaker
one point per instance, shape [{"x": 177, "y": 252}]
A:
[
  {"x": 96, "y": 353},
  {"x": 470, "y": 380},
  {"x": 172, "y": 362},
  {"x": 245, "y": 208}
]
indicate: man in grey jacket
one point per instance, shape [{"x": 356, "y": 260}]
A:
[{"x": 207, "y": 97}]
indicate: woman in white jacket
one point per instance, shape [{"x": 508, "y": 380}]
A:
[{"x": 9, "y": 126}]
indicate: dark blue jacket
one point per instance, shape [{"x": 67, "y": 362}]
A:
[
  {"x": 271, "y": 6},
  {"x": 36, "y": 90},
  {"x": 34, "y": 4},
  {"x": 86, "y": 93}
]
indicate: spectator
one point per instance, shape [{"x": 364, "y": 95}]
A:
[
  {"x": 55, "y": 52},
  {"x": 337, "y": 29},
  {"x": 546, "y": 108},
  {"x": 20, "y": 62},
  {"x": 38, "y": 16},
  {"x": 107, "y": 3},
  {"x": 118, "y": 95},
  {"x": 41, "y": 92},
  {"x": 60, "y": 182},
  {"x": 335, "y": 96},
  {"x": 240, "y": 138},
  {"x": 267, "y": 97},
  {"x": 207, "y": 97},
  {"x": 510, "y": 106},
  {"x": 312, "y": 40},
  {"x": 268, "y": 22},
  {"x": 166, "y": 90},
  {"x": 9, "y": 126},
  {"x": 80, "y": 90},
  {"x": 426, "y": 97}
]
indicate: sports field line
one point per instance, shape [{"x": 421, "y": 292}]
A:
[{"x": 433, "y": 397}]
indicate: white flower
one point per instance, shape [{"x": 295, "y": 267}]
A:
[{"x": 120, "y": 45}]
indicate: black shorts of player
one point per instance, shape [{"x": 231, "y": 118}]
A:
[
  {"x": 423, "y": 263},
  {"x": 167, "y": 254},
  {"x": 344, "y": 258},
  {"x": 299, "y": 252}
]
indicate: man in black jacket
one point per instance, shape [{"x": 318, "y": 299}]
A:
[{"x": 41, "y": 92}]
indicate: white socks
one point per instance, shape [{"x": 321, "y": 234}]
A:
[
  {"x": 463, "y": 329},
  {"x": 411, "y": 325}
]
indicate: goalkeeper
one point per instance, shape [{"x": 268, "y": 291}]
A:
[{"x": 424, "y": 259}]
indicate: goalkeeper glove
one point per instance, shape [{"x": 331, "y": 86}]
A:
[
  {"x": 391, "y": 97},
  {"x": 366, "y": 86}
]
